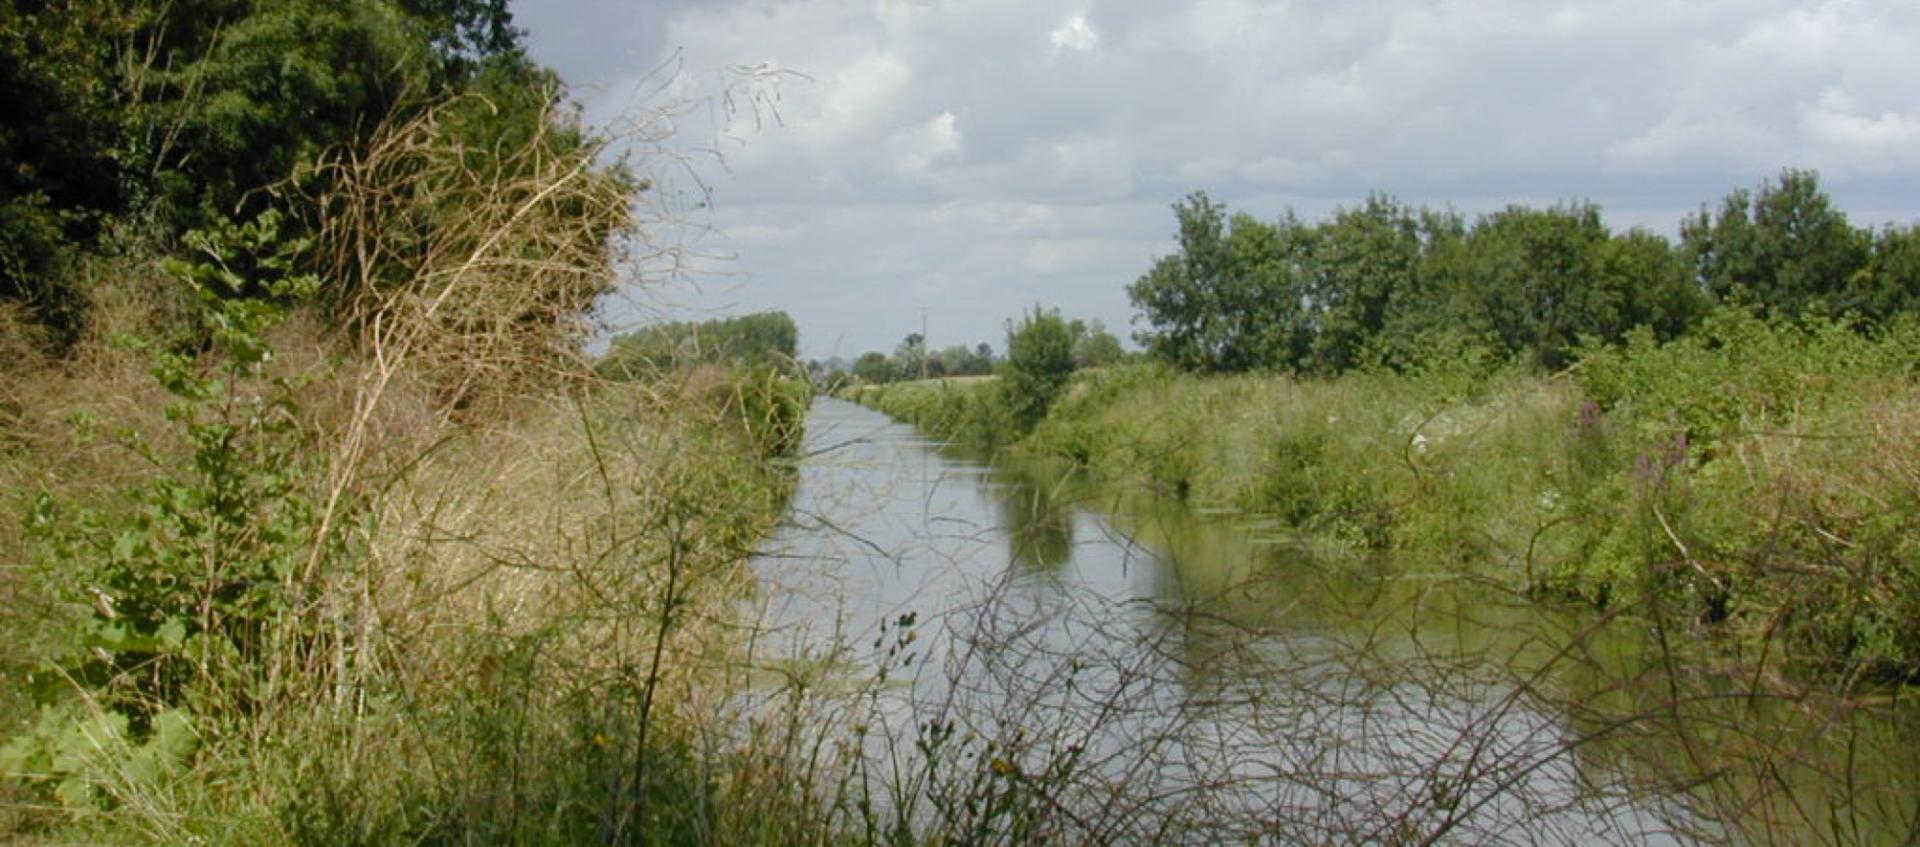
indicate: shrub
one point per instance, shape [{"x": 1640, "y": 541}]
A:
[{"x": 1039, "y": 361}]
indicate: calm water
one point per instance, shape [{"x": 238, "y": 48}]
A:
[{"x": 1173, "y": 676}]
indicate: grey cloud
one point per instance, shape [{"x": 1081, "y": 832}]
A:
[{"x": 968, "y": 158}]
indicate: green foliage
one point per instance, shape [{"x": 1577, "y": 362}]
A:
[
  {"x": 196, "y": 580},
  {"x": 58, "y": 133},
  {"x": 73, "y": 752},
  {"x": 1231, "y": 299},
  {"x": 1093, "y": 345},
  {"x": 1365, "y": 266},
  {"x": 1542, "y": 280},
  {"x": 149, "y": 119},
  {"x": 1755, "y": 477},
  {"x": 758, "y": 340},
  {"x": 1783, "y": 249},
  {"x": 911, "y": 360},
  {"x": 184, "y": 593},
  {"x": 971, "y": 410},
  {"x": 772, "y": 406},
  {"x": 1739, "y": 373},
  {"x": 1381, "y": 283},
  {"x": 1039, "y": 361},
  {"x": 873, "y": 368},
  {"x": 1889, "y": 284}
]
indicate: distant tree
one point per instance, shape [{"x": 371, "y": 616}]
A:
[
  {"x": 1093, "y": 345},
  {"x": 1039, "y": 362},
  {"x": 760, "y": 339},
  {"x": 909, "y": 359},
  {"x": 958, "y": 360},
  {"x": 1783, "y": 249},
  {"x": 1179, "y": 296},
  {"x": 1646, "y": 278},
  {"x": 873, "y": 367}
]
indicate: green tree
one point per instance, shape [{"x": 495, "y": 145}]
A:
[
  {"x": 184, "y": 114},
  {"x": 1093, "y": 345},
  {"x": 1646, "y": 282},
  {"x": 1231, "y": 299},
  {"x": 762, "y": 339},
  {"x": 1362, "y": 261},
  {"x": 1889, "y": 284},
  {"x": 910, "y": 357},
  {"x": 873, "y": 368},
  {"x": 1179, "y": 296},
  {"x": 1783, "y": 249},
  {"x": 1535, "y": 279},
  {"x": 1039, "y": 362}
]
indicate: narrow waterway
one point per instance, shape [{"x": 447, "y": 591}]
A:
[{"x": 1135, "y": 672}]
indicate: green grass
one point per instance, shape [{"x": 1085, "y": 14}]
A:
[{"x": 1756, "y": 480}]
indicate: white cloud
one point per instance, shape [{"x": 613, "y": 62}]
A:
[
  {"x": 1889, "y": 130},
  {"x": 1049, "y": 256},
  {"x": 926, "y": 144},
  {"x": 1074, "y": 34},
  {"x": 919, "y": 146}
]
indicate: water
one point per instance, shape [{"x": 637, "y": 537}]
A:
[{"x": 1018, "y": 648}]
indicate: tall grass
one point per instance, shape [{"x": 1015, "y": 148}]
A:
[
  {"x": 970, "y": 410},
  {"x": 410, "y": 577},
  {"x": 1754, "y": 476}
]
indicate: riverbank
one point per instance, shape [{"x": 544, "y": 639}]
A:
[
  {"x": 295, "y": 603},
  {"x": 1753, "y": 480}
]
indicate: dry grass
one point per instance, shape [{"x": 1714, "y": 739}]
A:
[{"x": 513, "y": 575}]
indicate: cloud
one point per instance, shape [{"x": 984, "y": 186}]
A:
[
  {"x": 1074, "y": 33},
  {"x": 944, "y": 153},
  {"x": 918, "y": 147}
]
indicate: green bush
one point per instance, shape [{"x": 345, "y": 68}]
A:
[{"x": 1039, "y": 361}]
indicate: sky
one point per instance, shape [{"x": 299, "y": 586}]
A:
[{"x": 866, "y": 165}]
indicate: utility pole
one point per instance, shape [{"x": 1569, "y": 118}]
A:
[{"x": 924, "y": 346}]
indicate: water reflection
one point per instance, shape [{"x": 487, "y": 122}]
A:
[
  {"x": 1035, "y": 518},
  {"x": 1207, "y": 680}
]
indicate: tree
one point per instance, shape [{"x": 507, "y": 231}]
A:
[
  {"x": 1362, "y": 261},
  {"x": 189, "y": 114},
  {"x": 1039, "y": 362},
  {"x": 910, "y": 358},
  {"x": 1093, "y": 345},
  {"x": 1231, "y": 299},
  {"x": 1783, "y": 249},
  {"x": 873, "y": 368},
  {"x": 1649, "y": 279},
  {"x": 760, "y": 339},
  {"x": 1536, "y": 281},
  {"x": 1889, "y": 284},
  {"x": 1179, "y": 295}
]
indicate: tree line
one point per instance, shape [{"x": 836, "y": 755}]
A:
[
  {"x": 1386, "y": 284},
  {"x": 1089, "y": 343},
  {"x": 762, "y": 339}
]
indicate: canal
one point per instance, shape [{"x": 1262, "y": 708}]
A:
[{"x": 1012, "y": 649}]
